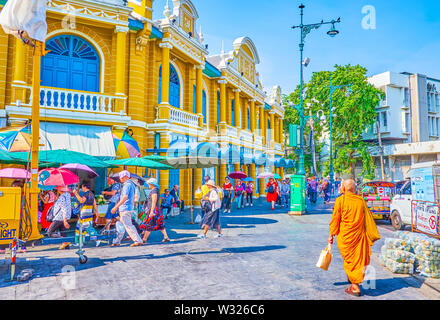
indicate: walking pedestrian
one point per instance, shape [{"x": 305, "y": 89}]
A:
[
  {"x": 348, "y": 223},
  {"x": 272, "y": 192},
  {"x": 238, "y": 193},
  {"x": 154, "y": 218},
  {"x": 313, "y": 189},
  {"x": 114, "y": 192},
  {"x": 61, "y": 213},
  {"x": 249, "y": 193},
  {"x": 285, "y": 192},
  {"x": 211, "y": 219},
  {"x": 326, "y": 188},
  {"x": 228, "y": 188},
  {"x": 337, "y": 185},
  {"x": 203, "y": 192},
  {"x": 126, "y": 208},
  {"x": 88, "y": 209}
]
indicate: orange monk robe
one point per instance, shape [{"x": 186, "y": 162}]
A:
[{"x": 348, "y": 223}]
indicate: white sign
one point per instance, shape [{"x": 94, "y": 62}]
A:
[{"x": 425, "y": 216}]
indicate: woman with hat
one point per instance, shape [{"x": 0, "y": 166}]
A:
[
  {"x": 153, "y": 215},
  {"x": 211, "y": 220},
  {"x": 61, "y": 212}
]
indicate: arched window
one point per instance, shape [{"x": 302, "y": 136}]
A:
[
  {"x": 174, "y": 87},
  {"x": 218, "y": 107},
  {"x": 71, "y": 63}
]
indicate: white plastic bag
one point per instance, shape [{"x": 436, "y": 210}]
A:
[
  {"x": 198, "y": 219},
  {"x": 325, "y": 258},
  {"x": 25, "y": 16}
]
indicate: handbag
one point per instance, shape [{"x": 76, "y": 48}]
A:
[
  {"x": 370, "y": 226},
  {"x": 50, "y": 215},
  {"x": 325, "y": 258},
  {"x": 206, "y": 206}
]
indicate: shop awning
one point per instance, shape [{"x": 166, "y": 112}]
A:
[
  {"x": 230, "y": 154},
  {"x": 280, "y": 163},
  {"x": 96, "y": 141},
  {"x": 290, "y": 163}
]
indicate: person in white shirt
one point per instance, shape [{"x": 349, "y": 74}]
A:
[
  {"x": 211, "y": 220},
  {"x": 62, "y": 210}
]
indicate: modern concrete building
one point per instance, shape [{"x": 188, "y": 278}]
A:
[{"x": 409, "y": 120}]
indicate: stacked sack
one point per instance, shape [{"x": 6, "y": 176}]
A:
[
  {"x": 397, "y": 256},
  {"x": 409, "y": 251}
]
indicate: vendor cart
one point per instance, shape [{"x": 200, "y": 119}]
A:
[{"x": 378, "y": 195}]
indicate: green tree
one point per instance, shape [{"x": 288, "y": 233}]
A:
[{"x": 352, "y": 114}]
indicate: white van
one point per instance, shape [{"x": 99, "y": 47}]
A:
[{"x": 423, "y": 184}]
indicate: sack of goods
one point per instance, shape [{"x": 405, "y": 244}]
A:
[
  {"x": 396, "y": 256},
  {"x": 415, "y": 249}
]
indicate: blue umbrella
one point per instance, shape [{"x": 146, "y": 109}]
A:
[{"x": 247, "y": 179}]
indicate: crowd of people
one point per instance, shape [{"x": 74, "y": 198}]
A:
[{"x": 322, "y": 187}]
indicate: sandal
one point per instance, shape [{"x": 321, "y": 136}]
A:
[
  {"x": 349, "y": 290},
  {"x": 166, "y": 240},
  {"x": 136, "y": 244},
  {"x": 114, "y": 245}
]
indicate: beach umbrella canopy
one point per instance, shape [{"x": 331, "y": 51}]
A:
[
  {"x": 125, "y": 145},
  {"x": 133, "y": 177},
  {"x": 77, "y": 168},
  {"x": 7, "y": 158},
  {"x": 140, "y": 162},
  {"x": 64, "y": 157},
  {"x": 15, "y": 139},
  {"x": 237, "y": 175},
  {"x": 59, "y": 177},
  {"x": 14, "y": 173},
  {"x": 265, "y": 175}
]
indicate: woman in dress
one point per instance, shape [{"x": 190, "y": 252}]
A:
[
  {"x": 153, "y": 216},
  {"x": 228, "y": 188},
  {"x": 211, "y": 220},
  {"x": 272, "y": 192}
]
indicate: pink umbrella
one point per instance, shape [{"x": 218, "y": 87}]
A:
[
  {"x": 14, "y": 173},
  {"x": 265, "y": 175},
  {"x": 60, "y": 177},
  {"x": 76, "y": 168},
  {"x": 237, "y": 175}
]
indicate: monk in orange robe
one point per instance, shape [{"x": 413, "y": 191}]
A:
[{"x": 348, "y": 224}]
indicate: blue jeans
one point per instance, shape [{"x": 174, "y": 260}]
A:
[
  {"x": 238, "y": 200},
  {"x": 285, "y": 199}
]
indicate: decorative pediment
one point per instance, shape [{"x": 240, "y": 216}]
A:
[{"x": 244, "y": 58}]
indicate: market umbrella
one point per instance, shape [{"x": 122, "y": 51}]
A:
[
  {"x": 247, "y": 179},
  {"x": 276, "y": 176},
  {"x": 7, "y": 158},
  {"x": 265, "y": 175},
  {"x": 65, "y": 156},
  {"x": 125, "y": 145},
  {"x": 237, "y": 175},
  {"x": 140, "y": 162},
  {"x": 14, "y": 173},
  {"x": 133, "y": 177},
  {"x": 77, "y": 168},
  {"x": 59, "y": 177},
  {"x": 16, "y": 138}
]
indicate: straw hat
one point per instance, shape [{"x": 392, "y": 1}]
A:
[{"x": 210, "y": 183}]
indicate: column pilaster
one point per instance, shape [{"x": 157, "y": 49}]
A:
[{"x": 121, "y": 50}]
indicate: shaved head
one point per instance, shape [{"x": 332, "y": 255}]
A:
[{"x": 348, "y": 185}]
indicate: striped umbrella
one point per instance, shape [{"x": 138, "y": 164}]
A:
[
  {"x": 16, "y": 139},
  {"x": 125, "y": 145}
]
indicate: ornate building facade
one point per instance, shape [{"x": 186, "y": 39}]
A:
[{"x": 112, "y": 68}]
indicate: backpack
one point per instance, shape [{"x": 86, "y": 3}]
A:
[
  {"x": 249, "y": 189},
  {"x": 271, "y": 189}
]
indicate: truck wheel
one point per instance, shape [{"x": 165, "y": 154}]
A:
[{"x": 396, "y": 220}]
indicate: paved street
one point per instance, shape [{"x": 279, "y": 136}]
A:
[{"x": 264, "y": 254}]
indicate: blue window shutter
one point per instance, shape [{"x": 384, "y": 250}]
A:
[
  {"x": 218, "y": 106},
  {"x": 204, "y": 107},
  {"x": 194, "y": 99},
  {"x": 232, "y": 112},
  {"x": 160, "y": 84}
]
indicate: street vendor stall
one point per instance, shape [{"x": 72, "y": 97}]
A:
[{"x": 378, "y": 195}]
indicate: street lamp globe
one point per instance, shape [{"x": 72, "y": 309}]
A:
[{"x": 332, "y": 32}]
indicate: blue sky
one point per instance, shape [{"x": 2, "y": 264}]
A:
[{"x": 406, "y": 38}]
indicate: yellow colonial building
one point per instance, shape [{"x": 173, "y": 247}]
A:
[{"x": 111, "y": 68}]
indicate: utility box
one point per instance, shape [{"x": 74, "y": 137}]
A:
[
  {"x": 297, "y": 195},
  {"x": 10, "y": 204}
]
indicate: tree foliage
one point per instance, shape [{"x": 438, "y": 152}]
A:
[{"x": 352, "y": 115}]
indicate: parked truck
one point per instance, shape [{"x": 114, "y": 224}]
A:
[{"x": 423, "y": 184}]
